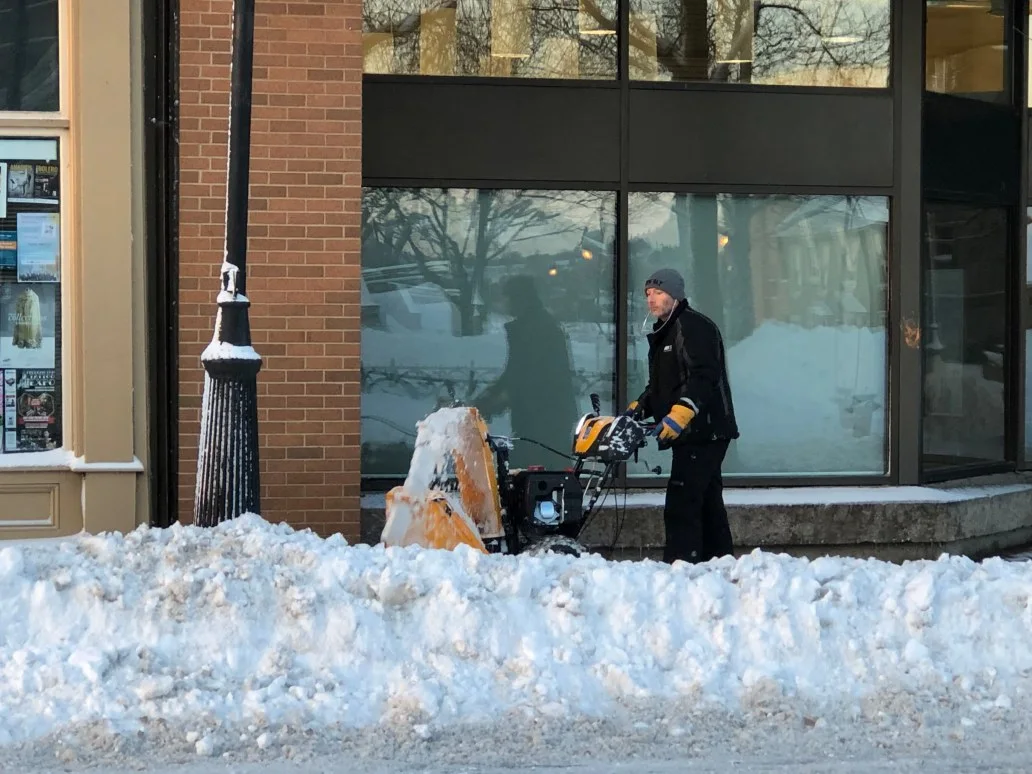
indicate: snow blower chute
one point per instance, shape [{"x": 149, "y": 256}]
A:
[{"x": 460, "y": 489}]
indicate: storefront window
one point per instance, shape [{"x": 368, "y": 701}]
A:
[
  {"x": 964, "y": 335},
  {"x": 966, "y": 48},
  {"x": 501, "y": 299},
  {"x": 30, "y": 294},
  {"x": 840, "y": 43},
  {"x": 797, "y": 285},
  {"x": 29, "y": 55},
  {"x": 503, "y": 38}
]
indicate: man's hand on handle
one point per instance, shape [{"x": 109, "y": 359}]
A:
[{"x": 674, "y": 423}]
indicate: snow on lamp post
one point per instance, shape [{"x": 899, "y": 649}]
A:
[{"x": 227, "y": 459}]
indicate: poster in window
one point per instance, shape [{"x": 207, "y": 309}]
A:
[
  {"x": 3, "y": 189},
  {"x": 28, "y": 325},
  {"x": 8, "y": 249},
  {"x": 45, "y": 183},
  {"x": 35, "y": 413},
  {"x": 21, "y": 182},
  {"x": 39, "y": 247},
  {"x": 10, "y": 390}
]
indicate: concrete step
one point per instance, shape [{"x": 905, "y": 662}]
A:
[{"x": 973, "y": 517}]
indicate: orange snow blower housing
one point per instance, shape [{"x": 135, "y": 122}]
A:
[
  {"x": 460, "y": 489},
  {"x": 450, "y": 496}
]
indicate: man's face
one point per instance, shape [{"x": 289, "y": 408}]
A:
[{"x": 660, "y": 304}]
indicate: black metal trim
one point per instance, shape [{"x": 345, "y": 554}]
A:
[
  {"x": 487, "y": 80},
  {"x": 600, "y": 83},
  {"x": 486, "y": 184},
  {"x": 761, "y": 88},
  {"x": 762, "y": 190},
  {"x": 622, "y": 272},
  {"x": 160, "y": 20},
  {"x": 972, "y": 198},
  {"x": 905, "y": 310},
  {"x": 1019, "y": 364},
  {"x": 630, "y": 187},
  {"x": 952, "y": 473}
]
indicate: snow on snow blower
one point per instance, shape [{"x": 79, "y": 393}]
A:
[{"x": 460, "y": 489}]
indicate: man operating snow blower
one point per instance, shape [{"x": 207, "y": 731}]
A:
[{"x": 689, "y": 396}]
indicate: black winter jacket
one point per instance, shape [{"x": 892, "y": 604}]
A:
[{"x": 687, "y": 364}]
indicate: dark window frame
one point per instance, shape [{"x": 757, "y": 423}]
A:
[
  {"x": 969, "y": 188},
  {"x": 900, "y": 175},
  {"x": 380, "y": 482},
  {"x": 980, "y": 467}
]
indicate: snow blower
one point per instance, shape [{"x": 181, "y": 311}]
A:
[{"x": 460, "y": 489}]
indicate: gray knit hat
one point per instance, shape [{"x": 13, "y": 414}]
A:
[{"x": 669, "y": 281}]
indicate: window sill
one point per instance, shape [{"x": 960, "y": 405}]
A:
[
  {"x": 11, "y": 120},
  {"x": 64, "y": 460}
]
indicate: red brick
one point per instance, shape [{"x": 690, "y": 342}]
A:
[{"x": 304, "y": 265}]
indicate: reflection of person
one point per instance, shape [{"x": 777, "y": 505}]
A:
[
  {"x": 537, "y": 383},
  {"x": 689, "y": 396}
]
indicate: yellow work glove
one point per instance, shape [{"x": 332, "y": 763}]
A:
[{"x": 675, "y": 422}]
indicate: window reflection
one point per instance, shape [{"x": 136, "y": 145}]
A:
[
  {"x": 29, "y": 55},
  {"x": 966, "y": 48},
  {"x": 573, "y": 39},
  {"x": 964, "y": 335},
  {"x": 501, "y": 299},
  {"x": 797, "y": 285},
  {"x": 842, "y": 43}
]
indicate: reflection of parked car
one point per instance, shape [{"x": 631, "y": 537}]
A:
[{"x": 992, "y": 365}]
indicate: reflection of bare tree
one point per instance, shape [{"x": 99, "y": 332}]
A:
[
  {"x": 528, "y": 38},
  {"x": 28, "y": 55},
  {"x": 450, "y": 238},
  {"x": 747, "y": 258},
  {"x": 847, "y": 40},
  {"x": 829, "y": 42}
]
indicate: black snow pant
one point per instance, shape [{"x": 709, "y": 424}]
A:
[{"x": 695, "y": 517}]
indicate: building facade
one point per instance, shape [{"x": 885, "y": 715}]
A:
[
  {"x": 72, "y": 259},
  {"x": 459, "y": 201},
  {"x": 840, "y": 182}
]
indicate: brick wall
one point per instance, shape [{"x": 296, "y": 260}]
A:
[{"x": 303, "y": 249}]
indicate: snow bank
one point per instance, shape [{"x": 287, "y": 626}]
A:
[{"x": 256, "y": 624}]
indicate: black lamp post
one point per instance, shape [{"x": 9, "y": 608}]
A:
[{"x": 227, "y": 460}]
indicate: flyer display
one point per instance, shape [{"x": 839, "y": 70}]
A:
[{"x": 30, "y": 294}]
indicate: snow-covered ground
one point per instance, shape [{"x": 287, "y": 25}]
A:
[{"x": 254, "y": 642}]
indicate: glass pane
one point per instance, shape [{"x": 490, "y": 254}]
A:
[
  {"x": 28, "y": 55},
  {"x": 30, "y": 294},
  {"x": 497, "y": 298},
  {"x": 966, "y": 49},
  {"x": 797, "y": 285},
  {"x": 502, "y": 38},
  {"x": 799, "y": 43},
  {"x": 964, "y": 335}
]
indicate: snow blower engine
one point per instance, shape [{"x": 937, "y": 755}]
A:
[{"x": 460, "y": 489}]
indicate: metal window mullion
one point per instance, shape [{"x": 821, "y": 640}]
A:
[{"x": 905, "y": 362}]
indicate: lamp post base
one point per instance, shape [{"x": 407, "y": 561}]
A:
[{"x": 227, "y": 458}]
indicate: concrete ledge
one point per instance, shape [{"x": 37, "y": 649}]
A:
[{"x": 972, "y": 517}]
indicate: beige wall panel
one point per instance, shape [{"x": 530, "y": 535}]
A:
[
  {"x": 102, "y": 128},
  {"x": 40, "y": 505}
]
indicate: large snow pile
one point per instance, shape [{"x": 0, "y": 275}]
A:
[{"x": 256, "y": 624}]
